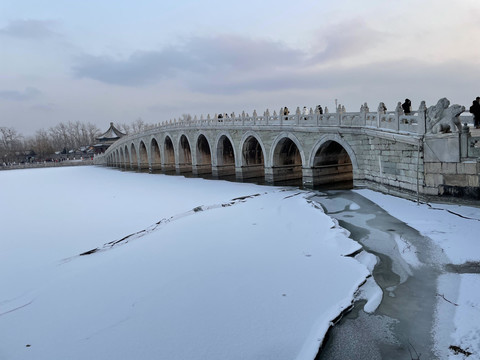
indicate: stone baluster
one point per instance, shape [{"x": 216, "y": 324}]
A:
[
  {"x": 422, "y": 118},
  {"x": 380, "y": 111},
  {"x": 297, "y": 115},
  {"x": 398, "y": 113},
  {"x": 363, "y": 113},
  {"x": 266, "y": 115}
]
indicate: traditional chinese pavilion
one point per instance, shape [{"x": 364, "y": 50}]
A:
[{"x": 108, "y": 138}]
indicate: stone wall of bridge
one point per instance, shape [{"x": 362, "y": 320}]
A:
[
  {"x": 317, "y": 156},
  {"x": 391, "y": 152}
]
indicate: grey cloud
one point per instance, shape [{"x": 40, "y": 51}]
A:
[
  {"x": 229, "y": 65},
  {"x": 398, "y": 79},
  {"x": 30, "y": 29},
  {"x": 28, "y": 94},
  {"x": 197, "y": 57}
]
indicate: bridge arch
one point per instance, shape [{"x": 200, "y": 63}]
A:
[
  {"x": 252, "y": 160},
  {"x": 184, "y": 154},
  {"x": 143, "y": 156},
  {"x": 168, "y": 163},
  {"x": 286, "y": 158},
  {"x": 155, "y": 155},
  {"x": 121, "y": 158},
  {"x": 133, "y": 156},
  {"x": 203, "y": 155},
  {"x": 224, "y": 156},
  {"x": 127, "y": 158},
  {"x": 332, "y": 160}
]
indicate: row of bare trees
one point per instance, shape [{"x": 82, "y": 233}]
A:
[{"x": 62, "y": 137}]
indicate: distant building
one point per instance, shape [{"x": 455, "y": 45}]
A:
[{"x": 108, "y": 138}]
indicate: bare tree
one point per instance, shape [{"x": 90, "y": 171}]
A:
[
  {"x": 10, "y": 144},
  {"x": 125, "y": 128},
  {"x": 41, "y": 144},
  {"x": 138, "y": 125},
  {"x": 186, "y": 117}
]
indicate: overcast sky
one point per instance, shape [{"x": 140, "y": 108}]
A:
[{"x": 101, "y": 61}]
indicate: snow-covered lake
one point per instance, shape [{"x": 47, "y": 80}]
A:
[{"x": 180, "y": 268}]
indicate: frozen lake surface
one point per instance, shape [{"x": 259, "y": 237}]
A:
[{"x": 180, "y": 268}]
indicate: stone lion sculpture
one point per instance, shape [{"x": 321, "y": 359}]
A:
[{"x": 443, "y": 118}]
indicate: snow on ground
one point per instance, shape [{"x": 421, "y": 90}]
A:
[
  {"x": 223, "y": 270},
  {"x": 455, "y": 229}
]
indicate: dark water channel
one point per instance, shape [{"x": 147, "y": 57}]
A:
[{"x": 401, "y": 327}]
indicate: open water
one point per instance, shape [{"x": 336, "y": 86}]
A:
[{"x": 401, "y": 327}]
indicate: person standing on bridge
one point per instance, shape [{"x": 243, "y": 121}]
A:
[
  {"x": 407, "y": 107},
  {"x": 305, "y": 112},
  {"x": 286, "y": 112},
  {"x": 475, "y": 110},
  {"x": 320, "y": 110}
]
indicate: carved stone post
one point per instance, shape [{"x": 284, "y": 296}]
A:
[
  {"x": 398, "y": 113},
  {"x": 422, "y": 118},
  {"x": 465, "y": 134}
]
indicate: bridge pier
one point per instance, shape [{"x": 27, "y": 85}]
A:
[
  {"x": 222, "y": 171},
  {"x": 144, "y": 167},
  {"x": 155, "y": 168},
  {"x": 243, "y": 173},
  {"x": 201, "y": 169}
]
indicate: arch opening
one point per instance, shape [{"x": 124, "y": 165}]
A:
[
  {"x": 143, "y": 155},
  {"x": 169, "y": 154},
  {"x": 225, "y": 158},
  {"x": 122, "y": 159},
  {"x": 156, "y": 160},
  {"x": 287, "y": 163},
  {"x": 127, "y": 163},
  {"x": 204, "y": 157},
  {"x": 332, "y": 166},
  {"x": 134, "y": 163},
  {"x": 253, "y": 163},
  {"x": 184, "y": 156}
]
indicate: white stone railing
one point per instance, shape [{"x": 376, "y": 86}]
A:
[{"x": 392, "y": 121}]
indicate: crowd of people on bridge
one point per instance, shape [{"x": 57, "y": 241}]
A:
[{"x": 406, "y": 107}]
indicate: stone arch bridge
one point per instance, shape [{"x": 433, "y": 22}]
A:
[{"x": 387, "y": 151}]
